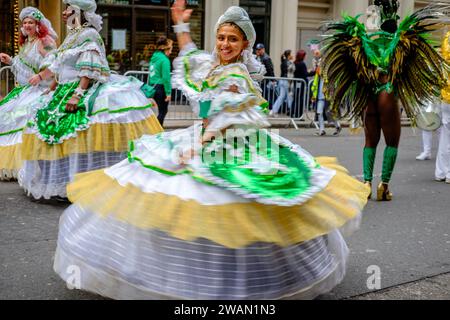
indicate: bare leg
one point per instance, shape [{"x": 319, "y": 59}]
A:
[
  {"x": 391, "y": 127},
  {"x": 389, "y": 118}
]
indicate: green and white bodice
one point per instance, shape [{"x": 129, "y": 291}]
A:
[
  {"x": 246, "y": 159},
  {"x": 27, "y": 63},
  {"x": 82, "y": 54},
  {"x": 225, "y": 94}
]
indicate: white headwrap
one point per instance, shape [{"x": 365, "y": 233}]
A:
[
  {"x": 88, "y": 7},
  {"x": 35, "y": 14},
  {"x": 240, "y": 17}
]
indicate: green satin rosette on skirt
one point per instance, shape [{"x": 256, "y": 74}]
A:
[
  {"x": 262, "y": 168},
  {"x": 54, "y": 123}
]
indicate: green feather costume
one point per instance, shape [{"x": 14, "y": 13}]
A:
[
  {"x": 354, "y": 61},
  {"x": 358, "y": 65}
]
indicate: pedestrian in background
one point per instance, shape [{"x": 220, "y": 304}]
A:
[
  {"x": 301, "y": 72},
  {"x": 318, "y": 96},
  {"x": 427, "y": 141},
  {"x": 265, "y": 59},
  {"x": 159, "y": 76},
  {"x": 442, "y": 172},
  {"x": 268, "y": 85},
  {"x": 285, "y": 93}
]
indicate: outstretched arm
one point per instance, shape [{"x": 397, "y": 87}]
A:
[
  {"x": 180, "y": 17},
  {"x": 41, "y": 76}
]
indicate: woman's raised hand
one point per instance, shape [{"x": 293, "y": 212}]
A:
[
  {"x": 4, "y": 58},
  {"x": 179, "y": 12}
]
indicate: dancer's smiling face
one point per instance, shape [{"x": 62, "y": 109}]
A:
[
  {"x": 230, "y": 43},
  {"x": 29, "y": 26}
]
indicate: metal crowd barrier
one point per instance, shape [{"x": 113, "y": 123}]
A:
[
  {"x": 299, "y": 110},
  {"x": 179, "y": 108},
  {"x": 6, "y": 80},
  {"x": 294, "y": 95}
]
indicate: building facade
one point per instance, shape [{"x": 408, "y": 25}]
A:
[{"x": 131, "y": 27}]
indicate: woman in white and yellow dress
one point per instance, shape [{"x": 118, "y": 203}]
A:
[
  {"x": 176, "y": 221},
  {"x": 86, "y": 123},
  {"x": 36, "y": 39}
]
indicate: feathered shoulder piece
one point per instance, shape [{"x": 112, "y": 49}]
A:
[
  {"x": 358, "y": 65},
  {"x": 346, "y": 67},
  {"x": 419, "y": 71}
]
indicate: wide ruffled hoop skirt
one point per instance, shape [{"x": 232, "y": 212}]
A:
[
  {"x": 59, "y": 145},
  {"x": 152, "y": 228},
  {"x": 16, "y": 109}
]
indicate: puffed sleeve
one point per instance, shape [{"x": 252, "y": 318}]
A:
[
  {"x": 91, "y": 65},
  {"x": 191, "y": 68}
]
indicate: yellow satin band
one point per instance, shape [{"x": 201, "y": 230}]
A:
[
  {"x": 233, "y": 225},
  {"x": 10, "y": 157},
  {"x": 99, "y": 137}
]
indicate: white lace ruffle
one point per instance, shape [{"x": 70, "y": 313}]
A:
[
  {"x": 252, "y": 117},
  {"x": 6, "y": 175},
  {"x": 195, "y": 67}
]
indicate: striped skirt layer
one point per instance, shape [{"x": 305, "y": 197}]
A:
[
  {"x": 121, "y": 261},
  {"x": 135, "y": 233}
]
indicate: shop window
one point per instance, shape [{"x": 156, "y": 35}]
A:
[
  {"x": 138, "y": 24},
  {"x": 116, "y": 33},
  {"x": 150, "y": 25},
  {"x": 259, "y": 12},
  {"x": 6, "y": 27}
]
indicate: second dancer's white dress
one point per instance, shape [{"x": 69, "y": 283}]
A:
[
  {"x": 114, "y": 110},
  {"x": 18, "y": 107}
]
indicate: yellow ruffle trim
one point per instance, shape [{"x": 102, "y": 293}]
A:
[
  {"x": 112, "y": 137},
  {"x": 233, "y": 225},
  {"x": 10, "y": 160}
]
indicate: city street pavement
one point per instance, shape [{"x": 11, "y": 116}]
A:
[{"x": 407, "y": 240}]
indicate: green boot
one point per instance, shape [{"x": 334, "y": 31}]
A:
[
  {"x": 368, "y": 162},
  {"x": 389, "y": 158}
]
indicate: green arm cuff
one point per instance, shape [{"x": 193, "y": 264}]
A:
[{"x": 204, "y": 108}]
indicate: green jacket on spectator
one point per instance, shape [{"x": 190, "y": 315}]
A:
[{"x": 160, "y": 71}]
